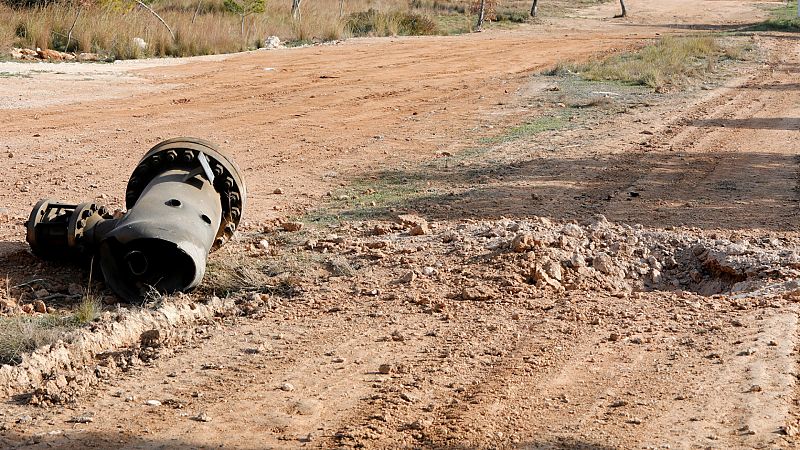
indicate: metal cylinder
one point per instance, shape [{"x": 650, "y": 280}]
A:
[{"x": 184, "y": 199}]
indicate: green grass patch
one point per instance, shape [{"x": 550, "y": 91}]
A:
[
  {"x": 530, "y": 128},
  {"x": 669, "y": 61},
  {"x": 369, "y": 198},
  {"x": 782, "y": 18}
]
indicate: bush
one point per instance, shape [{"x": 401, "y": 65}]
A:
[
  {"x": 376, "y": 23},
  {"x": 671, "y": 60}
]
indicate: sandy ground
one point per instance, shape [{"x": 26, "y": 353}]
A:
[{"x": 517, "y": 369}]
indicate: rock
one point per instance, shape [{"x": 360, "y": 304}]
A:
[
  {"x": 381, "y": 229},
  {"x": 263, "y": 245},
  {"x": 150, "y": 338},
  {"x": 27, "y": 308},
  {"x": 428, "y": 271},
  {"x": 420, "y": 424},
  {"x": 572, "y": 230},
  {"x": 397, "y": 336},
  {"x": 604, "y": 264},
  {"x": 478, "y": 292},
  {"x": 408, "y": 277},
  {"x": 202, "y": 417},
  {"x": 409, "y": 397},
  {"x": 41, "y": 293},
  {"x": 39, "y": 307},
  {"x": 152, "y": 403},
  {"x": 53, "y": 55},
  {"x": 140, "y": 43},
  {"x": 385, "y": 369},
  {"x": 656, "y": 276},
  {"x": 522, "y": 243},
  {"x": 292, "y": 226},
  {"x": 419, "y": 230},
  {"x": 24, "y": 53},
  {"x": 410, "y": 220},
  {"x": 272, "y": 42},
  {"x": 542, "y": 278},
  {"x": 7, "y": 304},
  {"x": 85, "y": 418},
  {"x": 278, "y": 191},
  {"x": 88, "y": 57},
  {"x": 553, "y": 269},
  {"x": 577, "y": 260},
  {"x": 287, "y": 387},
  {"x": 24, "y": 419},
  {"x": 789, "y": 430}
]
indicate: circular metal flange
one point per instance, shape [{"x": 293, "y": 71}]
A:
[
  {"x": 37, "y": 215},
  {"x": 182, "y": 153}
]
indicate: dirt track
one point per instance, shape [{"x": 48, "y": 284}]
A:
[{"x": 538, "y": 373}]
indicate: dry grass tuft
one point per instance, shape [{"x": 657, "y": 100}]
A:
[
  {"x": 23, "y": 334},
  {"x": 670, "y": 61}
]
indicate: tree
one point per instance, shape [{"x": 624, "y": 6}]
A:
[
  {"x": 296, "y": 10},
  {"x": 624, "y": 12},
  {"x": 245, "y": 8},
  {"x": 481, "y": 13},
  {"x": 143, "y": 5},
  {"x": 534, "y": 8}
]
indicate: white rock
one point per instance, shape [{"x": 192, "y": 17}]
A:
[
  {"x": 572, "y": 230},
  {"x": 152, "y": 403},
  {"x": 603, "y": 263},
  {"x": 577, "y": 260},
  {"x": 272, "y": 42},
  {"x": 139, "y": 42}
]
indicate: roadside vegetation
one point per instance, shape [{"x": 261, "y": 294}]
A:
[
  {"x": 24, "y": 333},
  {"x": 128, "y": 29},
  {"x": 783, "y": 18},
  {"x": 668, "y": 62}
]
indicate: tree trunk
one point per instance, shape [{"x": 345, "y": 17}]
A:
[
  {"x": 243, "y": 16},
  {"x": 69, "y": 35},
  {"x": 481, "y": 11},
  {"x": 157, "y": 17},
  {"x": 624, "y": 11},
  {"x": 341, "y": 8},
  {"x": 534, "y": 8},
  {"x": 296, "y": 9},
  {"x": 197, "y": 10}
]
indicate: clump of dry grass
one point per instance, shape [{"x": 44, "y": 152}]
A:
[
  {"x": 393, "y": 23},
  {"x": 110, "y": 30},
  {"x": 669, "y": 61},
  {"x": 23, "y": 334}
]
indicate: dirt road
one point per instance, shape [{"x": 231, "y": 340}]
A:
[{"x": 360, "y": 360}]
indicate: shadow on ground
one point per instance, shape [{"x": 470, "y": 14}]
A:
[{"x": 722, "y": 190}]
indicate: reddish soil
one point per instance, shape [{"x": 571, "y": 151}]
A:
[{"x": 598, "y": 366}]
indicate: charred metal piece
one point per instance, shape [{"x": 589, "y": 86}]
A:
[{"x": 184, "y": 199}]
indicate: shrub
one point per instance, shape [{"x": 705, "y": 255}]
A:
[{"x": 376, "y": 23}]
